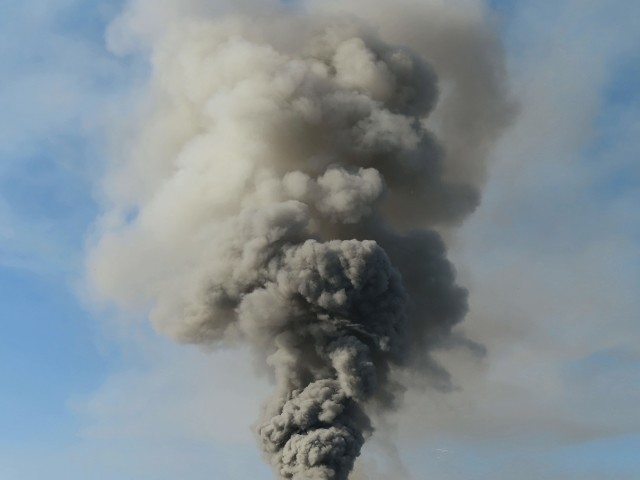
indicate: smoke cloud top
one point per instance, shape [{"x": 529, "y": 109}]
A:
[{"x": 283, "y": 188}]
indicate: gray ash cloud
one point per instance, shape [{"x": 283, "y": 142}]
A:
[{"x": 286, "y": 184}]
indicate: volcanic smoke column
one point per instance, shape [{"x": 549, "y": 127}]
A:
[{"x": 279, "y": 192}]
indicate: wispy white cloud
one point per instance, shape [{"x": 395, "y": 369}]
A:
[{"x": 57, "y": 84}]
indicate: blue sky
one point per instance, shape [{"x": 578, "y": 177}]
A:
[{"x": 552, "y": 259}]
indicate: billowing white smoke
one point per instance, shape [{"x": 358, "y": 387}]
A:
[{"x": 280, "y": 192}]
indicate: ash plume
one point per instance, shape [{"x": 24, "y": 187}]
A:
[{"x": 282, "y": 190}]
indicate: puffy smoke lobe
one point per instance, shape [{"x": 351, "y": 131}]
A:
[{"x": 281, "y": 191}]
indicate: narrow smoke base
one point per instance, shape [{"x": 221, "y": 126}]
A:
[{"x": 287, "y": 190}]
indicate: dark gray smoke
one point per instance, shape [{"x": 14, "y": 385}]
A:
[{"x": 282, "y": 192}]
